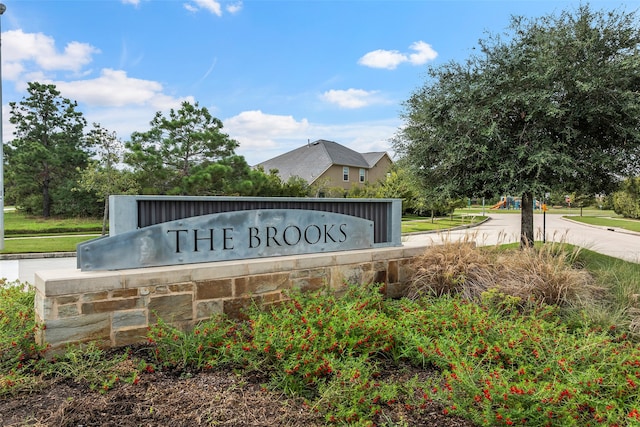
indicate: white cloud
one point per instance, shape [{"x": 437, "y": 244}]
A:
[
  {"x": 234, "y": 7},
  {"x": 212, "y": 6},
  {"x": 12, "y": 70},
  {"x": 133, "y": 2},
  {"x": 124, "y": 121},
  {"x": 113, "y": 88},
  {"x": 118, "y": 102},
  {"x": 20, "y": 48},
  {"x": 390, "y": 59},
  {"x": 425, "y": 53},
  {"x": 264, "y": 136},
  {"x": 362, "y": 137},
  {"x": 351, "y": 98},
  {"x": 190, "y": 7},
  {"x": 114, "y": 99},
  {"x": 262, "y": 127}
]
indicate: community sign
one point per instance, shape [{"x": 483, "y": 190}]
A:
[{"x": 227, "y": 236}]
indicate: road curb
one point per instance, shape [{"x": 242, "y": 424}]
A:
[
  {"x": 444, "y": 230},
  {"x": 10, "y": 257},
  {"x": 601, "y": 227}
]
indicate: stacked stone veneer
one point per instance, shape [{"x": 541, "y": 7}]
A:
[{"x": 115, "y": 308}]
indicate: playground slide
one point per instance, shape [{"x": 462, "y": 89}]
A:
[{"x": 498, "y": 205}]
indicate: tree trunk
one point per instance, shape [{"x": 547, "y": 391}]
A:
[
  {"x": 46, "y": 200},
  {"x": 526, "y": 220},
  {"x": 105, "y": 215}
]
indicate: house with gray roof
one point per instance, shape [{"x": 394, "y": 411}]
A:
[{"x": 330, "y": 164}]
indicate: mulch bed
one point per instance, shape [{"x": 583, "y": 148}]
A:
[{"x": 211, "y": 398}]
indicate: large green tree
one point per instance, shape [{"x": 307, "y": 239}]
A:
[
  {"x": 179, "y": 153},
  {"x": 551, "y": 104},
  {"x": 47, "y": 149}
]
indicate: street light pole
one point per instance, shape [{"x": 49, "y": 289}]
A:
[{"x": 2, "y": 9}]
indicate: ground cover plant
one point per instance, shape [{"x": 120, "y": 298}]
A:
[{"x": 491, "y": 357}]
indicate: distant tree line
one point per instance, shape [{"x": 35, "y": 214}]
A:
[{"x": 54, "y": 166}]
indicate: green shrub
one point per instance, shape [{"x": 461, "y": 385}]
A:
[{"x": 18, "y": 350}]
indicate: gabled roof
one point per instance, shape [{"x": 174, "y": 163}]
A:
[
  {"x": 312, "y": 160},
  {"x": 373, "y": 157}
]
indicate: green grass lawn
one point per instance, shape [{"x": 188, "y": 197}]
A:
[
  {"x": 627, "y": 224},
  {"x": 43, "y": 244},
  {"x": 413, "y": 224},
  {"x": 19, "y": 224},
  {"x": 31, "y": 234}
]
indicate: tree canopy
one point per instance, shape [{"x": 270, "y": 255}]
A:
[
  {"x": 180, "y": 151},
  {"x": 53, "y": 167},
  {"x": 47, "y": 150},
  {"x": 550, "y": 104}
]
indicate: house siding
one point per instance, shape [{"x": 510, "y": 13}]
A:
[
  {"x": 333, "y": 176},
  {"x": 321, "y": 164},
  {"x": 379, "y": 170}
]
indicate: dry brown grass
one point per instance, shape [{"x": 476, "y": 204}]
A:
[
  {"x": 448, "y": 268},
  {"x": 542, "y": 275}
]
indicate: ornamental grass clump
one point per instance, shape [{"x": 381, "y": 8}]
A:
[
  {"x": 547, "y": 274},
  {"x": 450, "y": 268}
]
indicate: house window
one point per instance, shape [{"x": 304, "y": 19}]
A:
[
  {"x": 345, "y": 173},
  {"x": 361, "y": 175}
]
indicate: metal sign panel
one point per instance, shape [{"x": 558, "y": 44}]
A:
[{"x": 227, "y": 236}]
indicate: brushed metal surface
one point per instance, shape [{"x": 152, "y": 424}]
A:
[{"x": 227, "y": 236}]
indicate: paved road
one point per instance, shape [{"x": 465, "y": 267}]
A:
[
  {"x": 25, "y": 269},
  {"x": 505, "y": 228},
  {"x": 501, "y": 228}
]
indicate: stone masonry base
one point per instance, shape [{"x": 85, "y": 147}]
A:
[{"x": 115, "y": 308}]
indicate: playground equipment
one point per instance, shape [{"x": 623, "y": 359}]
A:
[
  {"x": 499, "y": 205},
  {"x": 508, "y": 202}
]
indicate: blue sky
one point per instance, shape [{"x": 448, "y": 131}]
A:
[{"x": 277, "y": 73}]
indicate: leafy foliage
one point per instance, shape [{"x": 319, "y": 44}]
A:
[
  {"x": 495, "y": 364},
  {"x": 552, "y": 105},
  {"x": 488, "y": 361},
  {"x": 626, "y": 201},
  {"x": 181, "y": 153},
  {"x": 46, "y": 151},
  {"x": 18, "y": 350}
]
